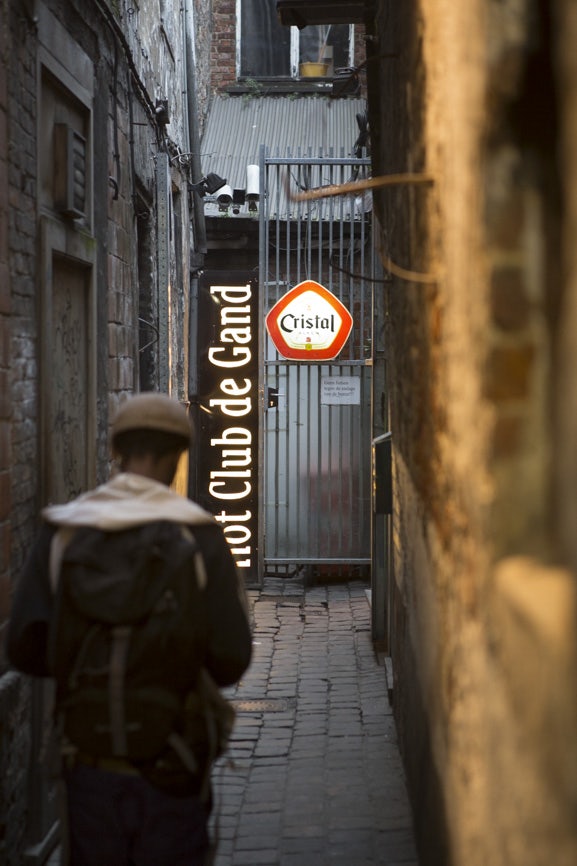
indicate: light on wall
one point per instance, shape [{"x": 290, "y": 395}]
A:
[
  {"x": 208, "y": 185},
  {"x": 252, "y": 186},
  {"x": 224, "y": 197}
]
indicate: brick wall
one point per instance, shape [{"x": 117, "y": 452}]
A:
[
  {"x": 14, "y": 746},
  {"x": 5, "y": 342},
  {"x": 126, "y": 138},
  {"x": 223, "y": 45},
  {"x": 19, "y": 400},
  {"x": 565, "y": 393},
  {"x": 130, "y": 138},
  {"x": 20, "y": 415},
  {"x": 485, "y": 602}
]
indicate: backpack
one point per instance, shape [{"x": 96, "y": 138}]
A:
[{"x": 127, "y": 641}]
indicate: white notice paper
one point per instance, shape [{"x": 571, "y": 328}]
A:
[{"x": 340, "y": 390}]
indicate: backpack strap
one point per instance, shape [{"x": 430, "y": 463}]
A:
[
  {"x": 60, "y": 541},
  {"x": 183, "y": 751},
  {"x": 118, "y": 654},
  {"x": 199, "y": 568}
]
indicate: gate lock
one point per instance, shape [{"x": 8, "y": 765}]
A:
[{"x": 271, "y": 397}]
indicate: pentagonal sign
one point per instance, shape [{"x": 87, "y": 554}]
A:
[{"x": 309, "y": 323}]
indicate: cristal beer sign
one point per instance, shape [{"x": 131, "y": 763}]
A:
[{"x": 309, "y": 323}]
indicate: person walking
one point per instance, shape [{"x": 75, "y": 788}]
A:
[{"x": 130, "y": 807}]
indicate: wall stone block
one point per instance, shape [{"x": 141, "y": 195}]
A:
[
  {"x": 508, "y": 435},
  {"x": 508, "y": 373},
  {"x": 510, "y": 307}
]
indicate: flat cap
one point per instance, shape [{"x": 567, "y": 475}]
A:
[{"x": 151, "y": 410}]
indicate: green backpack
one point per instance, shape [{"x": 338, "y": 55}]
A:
[{"x": 126, "y": 650}]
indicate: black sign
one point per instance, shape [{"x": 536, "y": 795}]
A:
[{"x": 228, "y": 338}]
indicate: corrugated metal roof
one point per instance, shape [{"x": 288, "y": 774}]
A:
[{"x": 304, "y": 126}]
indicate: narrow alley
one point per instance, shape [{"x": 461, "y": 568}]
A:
[
  {"x": 313, "y": 776},
  {"x": 317, "y": 777},
  {"x": 342, "y": 236}
]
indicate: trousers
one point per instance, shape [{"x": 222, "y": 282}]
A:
[{"x": 122, "y": 820}]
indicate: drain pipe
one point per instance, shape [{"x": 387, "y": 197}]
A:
[
  {"x": 196, "y": 259},
  {"x": 194, "y": 138}
]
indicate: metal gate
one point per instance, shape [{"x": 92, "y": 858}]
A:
[{"x": 316, "y": 427}]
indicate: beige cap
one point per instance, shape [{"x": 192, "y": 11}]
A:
[{"x": 151, "y": 410}]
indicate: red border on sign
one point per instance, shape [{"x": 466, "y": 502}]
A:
[{"x": 290, "y": 352}]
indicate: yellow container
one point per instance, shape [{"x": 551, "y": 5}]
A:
[{"x": 313, "y": 70}]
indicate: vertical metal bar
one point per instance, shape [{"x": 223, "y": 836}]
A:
[
  {"x": 351, "y": 301},
  {"x": 343, "y": 254},
  {"x": 356, "y": 446},
  {"x": 316, "y": 439},
  {"x": 309, "y": 235},
  {"x": 330, "y": 246},
  {"x": 351, "y": 538},
  {"x": 294, "y": 468},
  {"x": 277, "y": 232},
  {"x": 288, "y": 222},
  {"x": 262, "y": 292},
  {"x": 280, "y": 440},
  {"x": 342, "y": 463},
  {"x": 299, "y": 221},
  {"x": 282, "y": 492},
  {"x": 319, "y": 256}
]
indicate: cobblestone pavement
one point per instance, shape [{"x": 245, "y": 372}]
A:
[{"x": 317, "y": 778}]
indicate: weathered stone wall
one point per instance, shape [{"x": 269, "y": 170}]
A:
[
  {"x": 19, "y": 244},
  {"x": 565, "y": 390},
  {"x": 5, "y": 336},
  {"x": 481, "y": 342},
  {"x": 17, "y": 426},
  {"x": 14, "y": 746},
  {"x": 127, "y": 60},
  {"x": 201, "y": 24}
]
